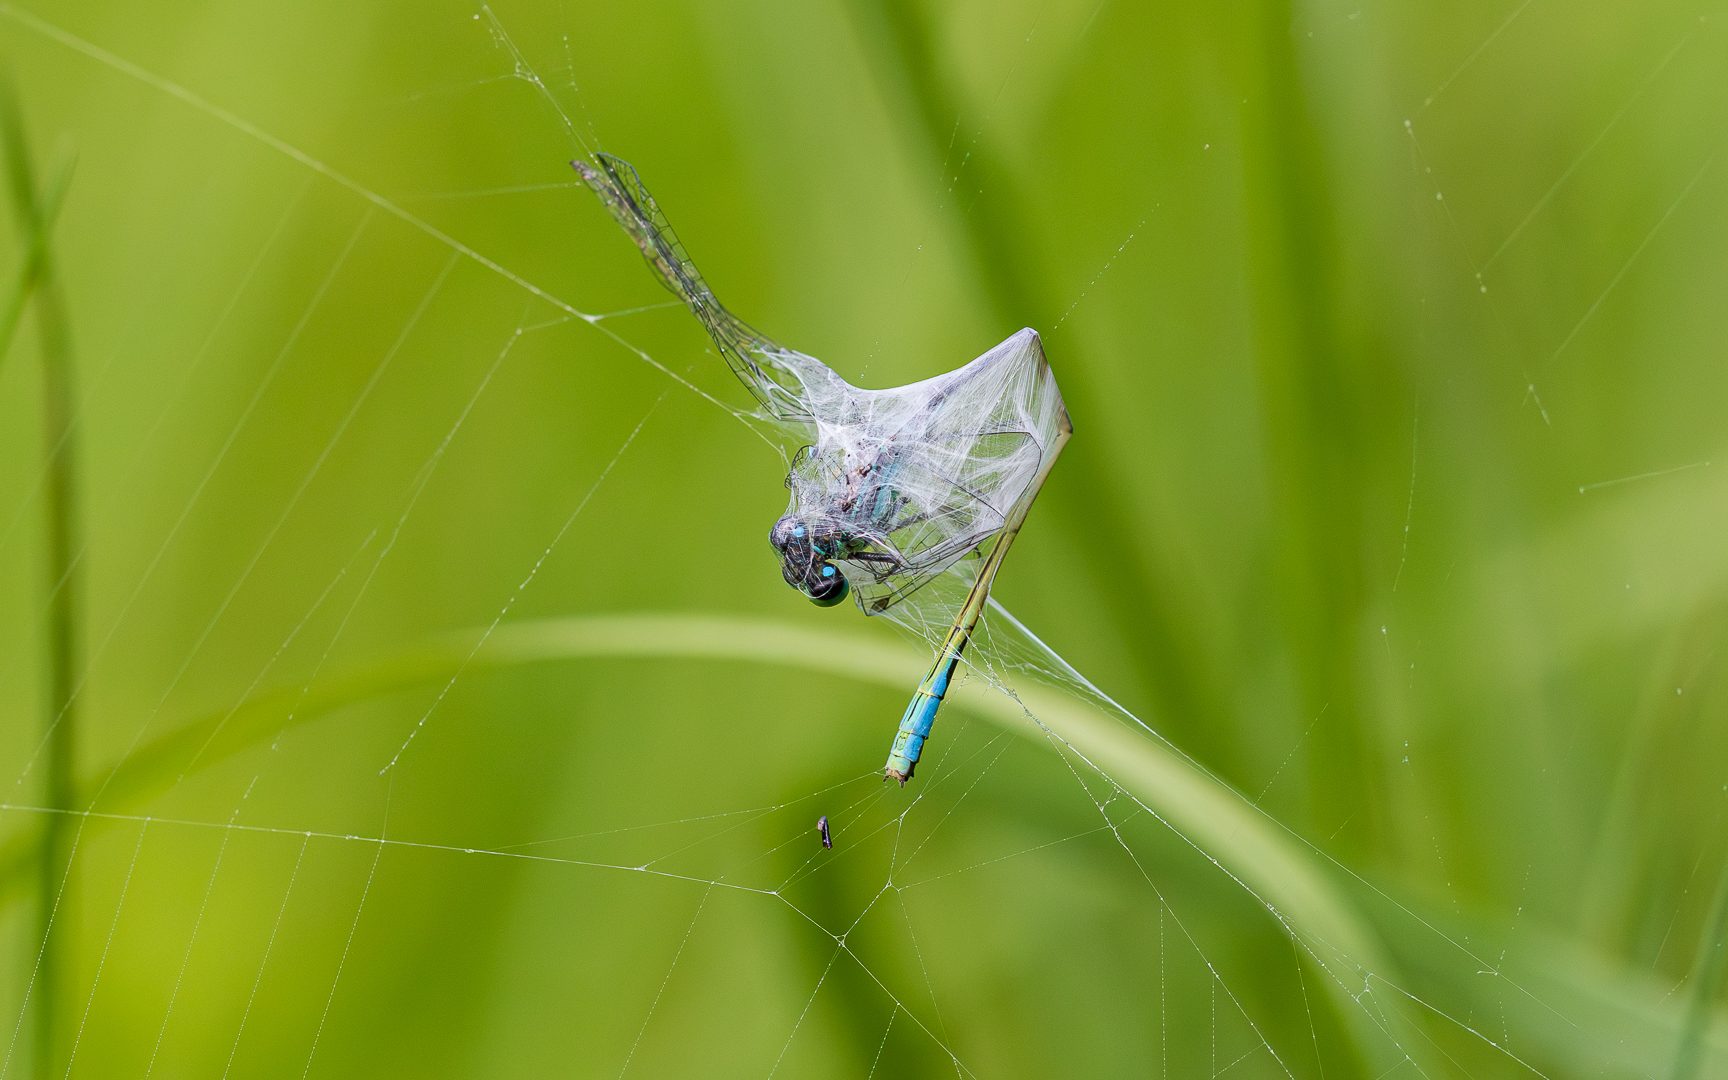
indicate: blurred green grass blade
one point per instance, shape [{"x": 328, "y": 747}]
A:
[
  {"x": 1577, "y": 1010},
  {"x": 35, "y": 236},
  {"x": 897, "y": 36},
  {"x": 1570, "y": 993},
  {"x": 998, "y": 225},
  {"x": 34, "y": 212},
  {"x": 1238, "y": 837}
]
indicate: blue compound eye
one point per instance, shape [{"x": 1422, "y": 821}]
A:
[{"x": 832, "y": 589}]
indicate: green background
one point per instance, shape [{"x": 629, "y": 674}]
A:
[{"x": 1353, "y": 308}]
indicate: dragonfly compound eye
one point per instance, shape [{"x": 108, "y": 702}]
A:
[
  {"x": 804, "y": 562},
  {"x": 828, "y": 588}
]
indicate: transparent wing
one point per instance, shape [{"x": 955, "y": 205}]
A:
[
  {"x": 961, "y": 455},
  {"x": 784, "y": 381},
  {"x": 901, "y": 484}
]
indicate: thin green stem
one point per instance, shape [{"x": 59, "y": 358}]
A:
[
  {"x": 35, "y": 243},
  {"x": 34, "y": 210}
]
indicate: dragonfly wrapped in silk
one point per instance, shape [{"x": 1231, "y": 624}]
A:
[{"x": 892, "y": 489}]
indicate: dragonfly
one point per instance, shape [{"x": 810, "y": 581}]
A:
[{"x": 891, "y": 489}]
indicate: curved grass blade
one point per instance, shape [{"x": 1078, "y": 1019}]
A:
[{"x": 1362, "y": 950}]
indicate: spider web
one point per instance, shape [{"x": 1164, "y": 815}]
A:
[{"x": 459, "y": 862}]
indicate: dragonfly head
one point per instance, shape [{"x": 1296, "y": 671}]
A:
[{"x": 804, "y": 553}]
